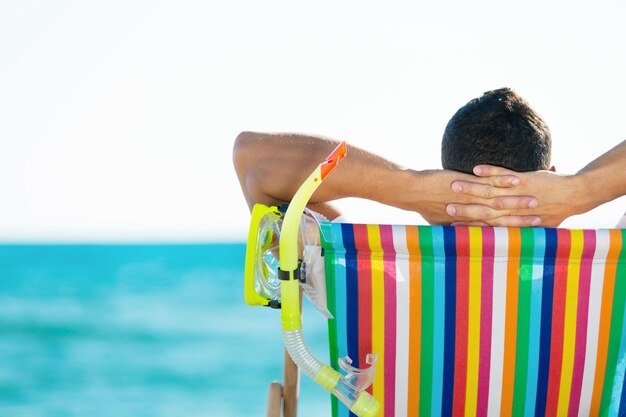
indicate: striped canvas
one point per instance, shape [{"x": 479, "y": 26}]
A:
[{"x": 481, "y": 321}]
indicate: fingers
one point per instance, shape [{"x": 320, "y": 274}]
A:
[
  {"x": 501, "y": 181},
  {"x": 469, "y": 224},
  {"x": 490, "y": 170},
  {"x": 504, "y": 181},
  {"x": 512, "y": 203},
  {"x": 505, "y": 221},
  {"x": 476, "y": 212},
  {"x": 492, "y": 200},
  {"x": 473, "y": 189},
  {"x": 489, "y": 191},
  {"x": 508, "y": 208},
  {"x": 494, "y": 196}
]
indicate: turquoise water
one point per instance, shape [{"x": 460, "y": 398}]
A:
[{"x": 139, "y": 330}]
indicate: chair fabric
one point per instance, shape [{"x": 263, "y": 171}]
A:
[{"x": 480, "y": 321}]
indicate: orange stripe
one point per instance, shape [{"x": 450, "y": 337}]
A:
[
  {"x": 610, "y": 273},
  {"x": 510, "y": 330},
  {"x": 415, "y": 319}
]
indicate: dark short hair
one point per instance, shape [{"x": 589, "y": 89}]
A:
[{"x": 499, "y": 128}]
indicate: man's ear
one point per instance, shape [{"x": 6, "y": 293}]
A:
[{"x": 553, "y": 168}]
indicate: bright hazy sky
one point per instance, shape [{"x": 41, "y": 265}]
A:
[{"x": 117, "y": 118}]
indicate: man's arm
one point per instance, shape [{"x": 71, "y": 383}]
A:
[
  {"x": 271, "y": 166},
  {"x": 558, "y": 196}
]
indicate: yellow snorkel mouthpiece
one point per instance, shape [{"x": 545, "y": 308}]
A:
[{"x": 344, "y": 387}]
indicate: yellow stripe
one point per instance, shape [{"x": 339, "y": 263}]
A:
[
  {"x": 569, "y": 332},
  {"x": 473, "y": 330},
  {"x": 378, "y": 312}
]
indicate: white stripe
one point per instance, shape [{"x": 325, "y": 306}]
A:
[
  {"x": 593, "y": 321},
  {"x": 402, "y": 320},
  {"x": 497, "y": 324}
]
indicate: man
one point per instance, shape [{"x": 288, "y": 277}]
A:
[
  {"x": 271, "y": 167},
  {"x": 498, "y": 129}
]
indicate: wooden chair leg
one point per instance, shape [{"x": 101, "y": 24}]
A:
[
  {"x": 291, "y": 387},
  {"x": 286, "y": 394},
  {"x": 274, "y": 399}
]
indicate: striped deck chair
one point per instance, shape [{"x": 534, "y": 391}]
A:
[
  {"x": 481, "y": 321},
  {"x": 463, "y": 320}
]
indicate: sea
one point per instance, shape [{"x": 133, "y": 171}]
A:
[{"x": 138, "y": 330}]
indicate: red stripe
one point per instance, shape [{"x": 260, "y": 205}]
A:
[
  {"x": 365, "y": 292},
  {"x": 486, "y": 301},
  {"x": 589, "y": 247},
  {"x": 462, "y": 311},
  {"x": 558, "y": 320},
  {"x": 389, "y": 264}
]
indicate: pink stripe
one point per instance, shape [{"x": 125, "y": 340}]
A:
[
  {"x": 364, "y": 266},
  {"x": 589, "y": 247},
  {"x": 461, "y": 336},
  {"x": 486, "y": 296},
  {"x": 389, "y": 264}
]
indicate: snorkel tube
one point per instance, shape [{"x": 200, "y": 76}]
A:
[{"x": 350, "y": 388}]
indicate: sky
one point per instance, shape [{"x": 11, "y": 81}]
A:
[{"x": 117, "y": 118}]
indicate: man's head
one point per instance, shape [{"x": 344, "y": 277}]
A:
[{"x": 499, "y": 128}]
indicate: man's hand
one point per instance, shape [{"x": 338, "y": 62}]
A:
[
  {"x": 557, "y": 197},
  {"x": 451, "y": 197}
]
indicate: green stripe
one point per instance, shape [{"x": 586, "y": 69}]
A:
[
  {"x": 617, "y": 319},
  {"x": 523, "y": 320},
  {"x": 331, "y": 304},
  {"x": 428, "y": 293}
]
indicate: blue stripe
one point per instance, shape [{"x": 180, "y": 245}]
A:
[
  {"x": 535, "y": 317},
  {"x": 340, "y": 310},
  {"x": 340, "y": 306},
  {"x": 438, "y": 319},
  {"x": 621, "y": 371},
  {"x": 352, "y": 290},
  {"x": 617, "y": 406},
  {"x": 546, "y": 321},
  {"x": 449, "y": 237}
]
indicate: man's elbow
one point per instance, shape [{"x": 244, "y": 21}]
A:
[
  {"x": 242, "y": 149},
  {"x": 244, "y": 138},
  {"x": 248, "y": 161},
  {"x": 242, "y": 141}
]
